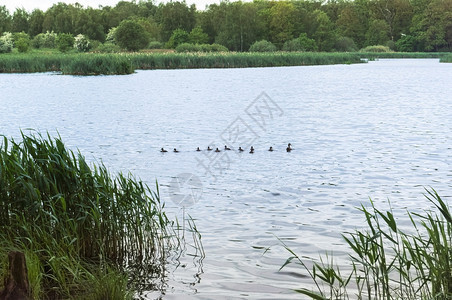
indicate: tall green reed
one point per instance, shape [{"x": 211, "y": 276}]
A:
[
  {"x": 74, "y": 216},
  {"x": 389, "y": 263}
]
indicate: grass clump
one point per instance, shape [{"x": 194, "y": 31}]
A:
[
  {"x": 82, "y": 229},
  {"x": 446, "y": 58},
  {"x": 97, "y": 64},
  {"x": 388, "y": 263},
  {"x": 376, "y": 48}
]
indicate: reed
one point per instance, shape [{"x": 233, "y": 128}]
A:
[
  {"x": 388, "y": 263},
  {"x": 446, "y": 58},
  {"x": 375, "y": 55},
  {"x": 77, "y": 219}
]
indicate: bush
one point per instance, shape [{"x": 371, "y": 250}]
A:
[
  {"x": 187, "y": 47},
  {"x": 155, "y": 45},
  {"x": 6, "y": 42},
  {"x": 302, "y": 43},
  {"x": 130, "y": 35},
  {"x": 178, "y": 37},
  {"x": 263, "y": 46},
  {"x": 64, "y": 42},
  {"x": 110, "y": 38},
  {"x": 376, "y": 48},
  {"x": 23, "y": 44},
  {"x": 345, "y": 44},
  {"x": 82, "y": 43},
  {"x": 108, "y": 48},
  {"x": 45, "y": 40}
]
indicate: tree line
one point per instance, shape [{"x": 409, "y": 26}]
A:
[{"x": 310, "y": 25}]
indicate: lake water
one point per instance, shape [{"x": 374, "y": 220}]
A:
[{"x": 380, "y": 130}]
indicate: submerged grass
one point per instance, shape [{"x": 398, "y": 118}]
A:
[
  {"x": 388, "y": 263},
  {"x": 81, "y": 228}
]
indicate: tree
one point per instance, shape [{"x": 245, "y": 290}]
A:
[
  {"x": 178, "y": 37},
  {"x": 282, "y": 22},
  {"x": 5, "y": 20},
  {"x": 324, "y": 35},
  {"x": 35, "y": 22},
  {"x": 131, "y": 35},
  {"x": 20, "y": 20},
  {"x": 175, "y": 15},
  {"x": 378, "y": 33},
  {"x": 198, "y": 36}
]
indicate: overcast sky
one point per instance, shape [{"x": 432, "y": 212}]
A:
[{"x": 29, "y": 5}]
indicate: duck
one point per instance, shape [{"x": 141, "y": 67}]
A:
[
  {"x": 240, "y": 149},
  {"x": 208, "y": 148},
  {"x": 226, "y": 148},
  {"x": 217, "y": 150},
  {"x": 175, "y": 150},
  {"x": 270, "y": 149},
  {"x": 252, "y": 149},
  {"x": 288, "y": 149},
  {"x": 197, "y": 149},
  {"x": 163, "y": 150}
]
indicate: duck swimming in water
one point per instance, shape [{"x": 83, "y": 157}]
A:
[
  {"x": 226, "y": 148},
  {"x": 163, "y": 150},
  {"x": 197, "y": 149},
  {"x": 208, "y": 148},
  {"x": 240, "y": 149},
  {"x": 252, "y": 149},
  {"x": 288, "y": 149},
  {"x": 217, "y": 150},
  {"x": 270, "y": 149},
  {"x": 175, "y": 150}
]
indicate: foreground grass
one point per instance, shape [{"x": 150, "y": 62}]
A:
[
  {"x": 83, "y": 231},
  {"x": 388, "y": 263}
]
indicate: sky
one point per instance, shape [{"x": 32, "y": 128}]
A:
[{"x": 29, "y": 5}]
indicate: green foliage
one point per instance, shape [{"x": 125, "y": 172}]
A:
[
  {"x": 389, "y": 263},
  {"x": 6, "y": 42},
  {"x": 263, "y": 46},
  {"x": 78, "y": 225},
  {"x": 64, "y": 42},
  {"x": 446, "y": 58},
  {"x": 406, "y": 43},
  {"x": 178, "y": 37},
  {"x": 345, "y": 44},
  {"x": 187, "y": 47},
  {"x": 108, "y": 48},
  {"x": 22, "y": 44},
  {"x": 82, "y": 43},
  {"x": 130, "y": 35},
  {"x": 155, "y": 45},
  {"x": 198, "y": 36},
  {"x": 45, "y": 40},
  {"x": 302, "y": 43},
  {"x": 376, "y": 48},
  {"x": 110, "y": 38},
  {"x": 378, "y": 33}
]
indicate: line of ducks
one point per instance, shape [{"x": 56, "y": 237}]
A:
[{"x": 240, "y": 149}]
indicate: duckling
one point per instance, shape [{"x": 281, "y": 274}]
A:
[
  {"x": 175, "y": 150},
  {"x": 197, "y": 149},
  {"x": 163, "y": 150},
  {"x": 288, "y": 149},
  {"x": 208, "y": 148},
  {"x": 217, "y": 150},
  {"x": 240, "y": 149},
  {"x": 270, "y": 149},
  {"x": 251, "y": 149},
  {"x": 226, "y": 148}
]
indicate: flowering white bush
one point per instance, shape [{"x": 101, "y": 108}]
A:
[
  {"x": 111, "y": 36},
  {"x": 45, "y": 40},
  {"x": 82, "y": 43},
  {"x": 6, "y": 42}
]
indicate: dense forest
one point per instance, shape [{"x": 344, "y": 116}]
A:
[{"x": 335, "y": 25}]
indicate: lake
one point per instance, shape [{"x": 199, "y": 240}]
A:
[{"x": 380, "y": 130}]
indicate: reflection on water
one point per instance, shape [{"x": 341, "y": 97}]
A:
[{"x": 379, "y": 130}]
